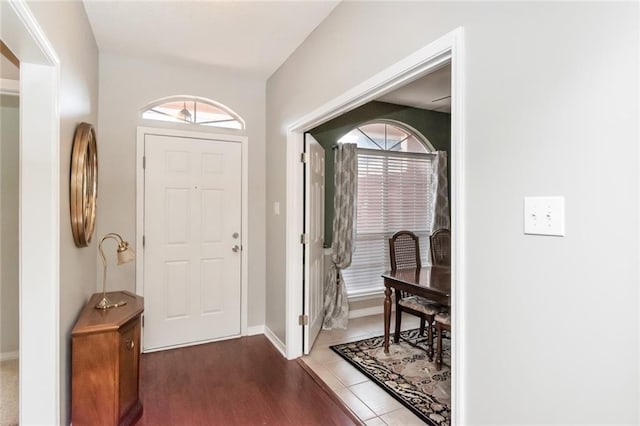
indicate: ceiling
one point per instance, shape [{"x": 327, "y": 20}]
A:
[
  {"x": 432, "y": 92},
  {"x": 254, "y": 37}
]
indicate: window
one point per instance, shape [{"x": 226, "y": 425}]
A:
[
  {"x": 193, "y": 110},
  {"x": 394, "y": 179}
]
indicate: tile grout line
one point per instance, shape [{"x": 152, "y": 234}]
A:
[{"x": 325, "y": 364}]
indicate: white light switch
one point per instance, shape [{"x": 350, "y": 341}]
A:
[
  {"x": 276, "y": 208},
  {"x": 544, "y": 216}
]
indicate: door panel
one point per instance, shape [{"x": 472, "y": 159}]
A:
[
  {"x": 314, "y": 251},
  {"x": 192, "y": 211}
]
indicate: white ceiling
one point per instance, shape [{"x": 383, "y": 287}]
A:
[
  {"x": 255, "y": 37},
  {"x": 432, "y": 91},
  {"x": 247, "y": 36}
]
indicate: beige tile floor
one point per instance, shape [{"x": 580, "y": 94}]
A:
[{"x": 366, "y": 399}]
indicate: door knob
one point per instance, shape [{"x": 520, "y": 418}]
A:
[{"x": 235, "y": 248}]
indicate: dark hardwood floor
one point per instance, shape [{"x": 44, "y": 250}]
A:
[{"x": 243, "y": 381}]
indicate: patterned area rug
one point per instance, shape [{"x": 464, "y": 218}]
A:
[{"x": 406, "y": 373}]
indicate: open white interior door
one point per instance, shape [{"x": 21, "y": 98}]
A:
[{"x": 314, "y": 230}]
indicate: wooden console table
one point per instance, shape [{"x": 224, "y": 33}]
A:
[{"x": 105, "y": 363}]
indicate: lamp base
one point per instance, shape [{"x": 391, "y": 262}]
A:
[{"x": 107, "y": 304}]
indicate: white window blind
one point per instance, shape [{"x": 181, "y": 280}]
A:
[{"x": 393, "y": 195}]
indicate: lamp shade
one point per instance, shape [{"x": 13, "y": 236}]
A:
[{"x": 125, "y": 253}]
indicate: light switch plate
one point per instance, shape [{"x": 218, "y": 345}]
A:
[{"x": 544, "y": 216}]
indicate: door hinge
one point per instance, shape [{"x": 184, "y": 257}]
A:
[
  {"x": 143, "y": 320},
  {"x": 144, "y": 162},
  {"x": 304, "y": 239},
  {"x": 143, "y": 241},
  {"x": 303, "y": 320},
  {"x": 304, "y": 157}
]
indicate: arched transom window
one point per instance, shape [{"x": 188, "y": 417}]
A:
[
  {"x": 193, "y": 110},
  {"x": 387, "y": 136},
  {"x": 394, "y": 193}
]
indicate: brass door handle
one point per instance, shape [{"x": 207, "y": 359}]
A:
[{"x": 130, "y": 344}]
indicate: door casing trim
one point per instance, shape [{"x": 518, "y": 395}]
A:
[
  {"x": 40, "y": 398},
  {"x": 449, "y": 47},
  {"x": 243, "y": 140}
]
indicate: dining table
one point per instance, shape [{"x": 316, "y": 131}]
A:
[{"x": 430, "y": 282}]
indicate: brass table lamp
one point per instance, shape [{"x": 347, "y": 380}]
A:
[{"x": 125, "y": 255}]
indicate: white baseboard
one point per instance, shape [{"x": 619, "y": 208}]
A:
[
  {"x": 7, "y": 356},
  {"x": 365, "y": 312},
  {"x": 275, "y": 341},
  {"x": 255, "y": 329}
]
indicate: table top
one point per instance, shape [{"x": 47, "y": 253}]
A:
[
  {"x": 434, "y": 279},
  {"x": 92, "y": 320}
]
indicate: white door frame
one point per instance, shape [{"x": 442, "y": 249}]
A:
[
  {"x": 142, "y": 131},
  {"x": 448, "y": 47},
  {"x": 39, "y": 212}
]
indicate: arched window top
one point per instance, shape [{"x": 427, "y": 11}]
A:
[
  {"x": 387, "y": 136},
  {"x": 193, "y": 110}
]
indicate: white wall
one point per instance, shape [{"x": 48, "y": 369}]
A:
[
  {"x": 10, "y": 136},
  {"x": 8, "y": 70},
  {"x": 127, "y": 85},
  {"x": 67, "y": 28},
  {"x": 550, "y": 332}
]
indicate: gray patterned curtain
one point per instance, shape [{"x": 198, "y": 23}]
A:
[
  {"x": 440, "y": 189},
  {"x": 336, "y": 305}
]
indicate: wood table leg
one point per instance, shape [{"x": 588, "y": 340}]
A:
[
  {"x": 439, "y": 348},
  {"x": 387, "y": 317}
]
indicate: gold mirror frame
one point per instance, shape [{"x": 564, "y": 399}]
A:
[{"x": 83, "y": 184}]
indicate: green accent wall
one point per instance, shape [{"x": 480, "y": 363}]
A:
[
  {"x": 9, "y": 181},
  {"x": 435, "y": 126}
]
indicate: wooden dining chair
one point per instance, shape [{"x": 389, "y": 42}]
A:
[
  {"x": 404, "y": 252},
  {"x": 440, "y": 244},
  {"x": 443, "y": 322}
]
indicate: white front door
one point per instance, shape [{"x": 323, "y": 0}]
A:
[
  {"x": 192, "y": 225},
  {"x": 314, "y": 252}
]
